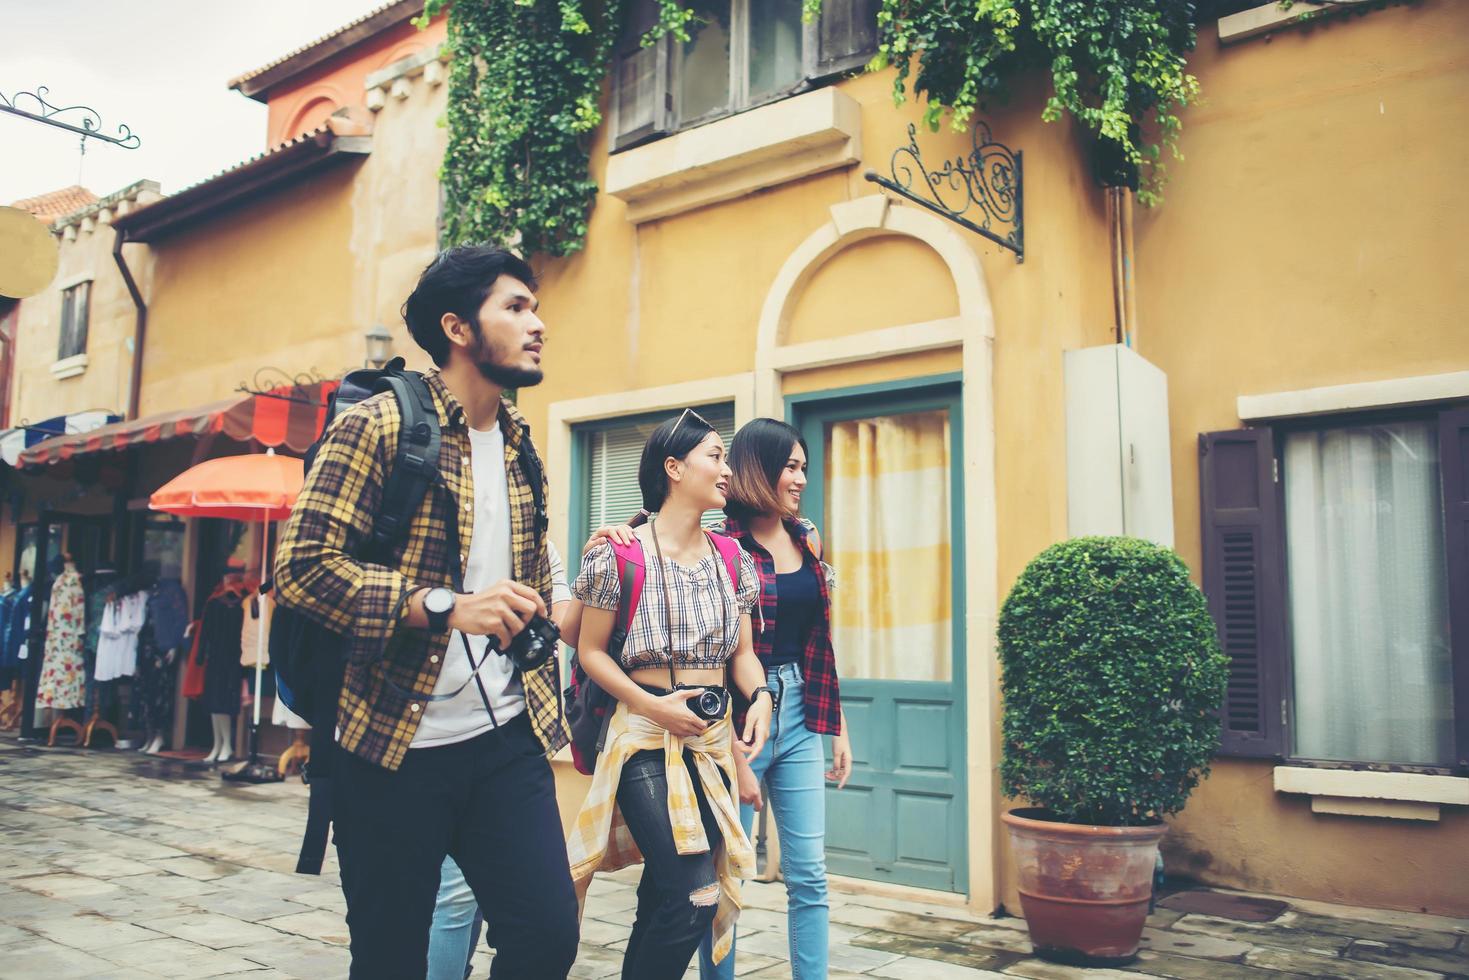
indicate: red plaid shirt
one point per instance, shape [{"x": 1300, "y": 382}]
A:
[{"x": 822, "y": 698}]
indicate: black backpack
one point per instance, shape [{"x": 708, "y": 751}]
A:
[{"x": 308, "y": 658}]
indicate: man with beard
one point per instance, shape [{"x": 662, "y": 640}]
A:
[{"x": 443, "y": 745}]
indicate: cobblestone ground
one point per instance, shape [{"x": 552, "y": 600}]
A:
[{"x": 114, "y": 865}]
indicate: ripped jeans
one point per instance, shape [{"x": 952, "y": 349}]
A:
[{"x": 678, "y": 894}]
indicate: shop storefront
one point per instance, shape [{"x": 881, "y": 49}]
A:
[{"x": 167, "y": 607}]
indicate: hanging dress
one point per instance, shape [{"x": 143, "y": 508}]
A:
[{"x": 63, "y": 671}]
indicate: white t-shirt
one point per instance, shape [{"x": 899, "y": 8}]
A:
[{"x": 464, "y": 717}]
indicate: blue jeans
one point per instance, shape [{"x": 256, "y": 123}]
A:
[
  {"x": 793, "y": 766},
  {"x": 452, "y": 935}
]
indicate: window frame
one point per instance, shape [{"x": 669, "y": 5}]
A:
[
  {"x": 668, "y": 118},
  {"x": 78, "y": 334},
  {"x": 1241, "y": 496},
  {"x": 579, "y": 519},
  {"x": 1431, "y": 414}
]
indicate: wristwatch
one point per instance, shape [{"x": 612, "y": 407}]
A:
[
  {"x": 756, "y": 693},
  {"x": 437, "y": 605}
]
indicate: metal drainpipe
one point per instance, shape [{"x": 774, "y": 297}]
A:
[{"x": 140, "y": 330}]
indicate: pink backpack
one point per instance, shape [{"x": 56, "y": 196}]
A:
[{"x": 588, "y": 707}]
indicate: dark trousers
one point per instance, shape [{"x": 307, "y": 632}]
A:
[
  {"x": 490, "y": 803},
  {"x": 669, "y": 923}
]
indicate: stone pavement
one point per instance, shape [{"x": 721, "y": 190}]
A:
[{"x": 120, "y": 866}]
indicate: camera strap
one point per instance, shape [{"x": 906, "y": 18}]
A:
[
  {"x": 456, "y": 576},
  {"x": 668, "y": 606}
]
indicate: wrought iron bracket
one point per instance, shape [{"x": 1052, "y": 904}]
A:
[
  {"x": 988, "y": 178},
  {"x": 296, "y": 383},
  {"x": 88, "y": 124}
]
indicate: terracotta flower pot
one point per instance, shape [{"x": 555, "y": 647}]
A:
[{"x": 1084, "y": 890}]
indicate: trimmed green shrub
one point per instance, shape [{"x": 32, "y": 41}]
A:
[{"x": 1112, "y": 680}]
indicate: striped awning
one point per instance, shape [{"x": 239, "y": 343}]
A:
[
  {"x": 15, "y": 441},
  {"x": 290, "y": 417}
]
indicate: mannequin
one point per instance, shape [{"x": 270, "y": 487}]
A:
[
  {"x": 62, "y": 687},
  {"x": 164, "y": 622},
  {"x": 223, "y": 674}
]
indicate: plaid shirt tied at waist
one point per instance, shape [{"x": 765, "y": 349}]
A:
[
  {"x": 317, "y": 574},
  {"x": 822, "y": 698}
]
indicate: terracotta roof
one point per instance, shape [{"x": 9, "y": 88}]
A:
[
  {"x": 256, "y": 83},
  {"x": 57, "y": 204},
  {"x": 279, "y": 164}
]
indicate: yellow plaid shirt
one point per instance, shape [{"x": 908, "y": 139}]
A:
[
  {"x": 317, "y": 574},
  {"x": 601, "y": 841}
]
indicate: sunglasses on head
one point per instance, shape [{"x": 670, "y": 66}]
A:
[{"x": 686, "y": 413}]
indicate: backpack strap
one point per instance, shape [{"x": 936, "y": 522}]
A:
[
  {"x": 632, "y": 571},
  {"x": 416, "y": 462},
  {"x": 530, "y": 465},
  {"x": 729, "y": 550}
]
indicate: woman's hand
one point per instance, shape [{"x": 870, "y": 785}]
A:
[
  {"x": 841, "y": 758},
  {"x": 671, "y": 711},
  {"x": 757, "y": 726},
  {"x": 616, "y": 533},
  {"x": 746, "y": 785}
]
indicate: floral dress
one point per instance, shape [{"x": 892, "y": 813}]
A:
[{"x": 63, "y": 670}]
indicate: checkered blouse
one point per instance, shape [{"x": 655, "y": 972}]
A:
[{"x": 705, "y": 613}]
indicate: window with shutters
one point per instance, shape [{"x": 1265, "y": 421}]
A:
[
  {"x": 740, "y": 54},
  {"x": 1337, "y": 569},
  {"x": 606, "y": 467},
  {"x": 75, "y": 309}
]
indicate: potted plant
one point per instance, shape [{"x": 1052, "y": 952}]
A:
[{"x": 1112, "y": 679}]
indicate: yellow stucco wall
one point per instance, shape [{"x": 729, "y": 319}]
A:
[
  {"x": 267, "y": 285},
  {"x": 679, "y": 299},
  {"x": 1312, "y": 237},
  {"x": 104, "y": 385}
]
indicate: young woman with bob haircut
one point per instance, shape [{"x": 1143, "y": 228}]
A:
[
  {"x": 661, "y": 791},
  {"x": 793, "y": 642}
]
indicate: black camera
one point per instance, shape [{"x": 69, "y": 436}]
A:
[
  {"x": 533, "y": 645},
  {"x": 710, "y": 703}
]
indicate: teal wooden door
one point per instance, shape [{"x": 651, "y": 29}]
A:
[{"x": 885, "y": 490}]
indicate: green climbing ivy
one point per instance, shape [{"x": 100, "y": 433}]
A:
[
  {"x": 1117, "y": 66},
  {"x": 526, "y": 78},
  {"x": 524, "y": 83}
]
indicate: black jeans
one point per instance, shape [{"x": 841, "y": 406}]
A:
[
  {"x": 670, "y": 922},
  {"x": 490, "y": 803}
]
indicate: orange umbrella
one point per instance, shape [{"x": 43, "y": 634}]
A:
[{"x": 240, "y": 488}]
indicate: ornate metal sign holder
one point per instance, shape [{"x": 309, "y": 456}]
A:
[
  {"x": 272, "y": 382},
  {"x": 988, "y": 178},
  {"x": 88, "y": 120}
]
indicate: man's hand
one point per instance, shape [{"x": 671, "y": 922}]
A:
[
  {"x": 501, "y": 611},
  {"x": 622, "y": 534}
]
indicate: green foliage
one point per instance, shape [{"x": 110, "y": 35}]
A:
[
  {"x": 524, "y": 88},
  {"x": 1117, "y": 66},
  {"x": 1112, "y": 678}
]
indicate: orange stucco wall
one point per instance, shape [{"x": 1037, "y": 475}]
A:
[
  {"x": 1310, "y": 238},
  {"x": 304, "y": 102}
]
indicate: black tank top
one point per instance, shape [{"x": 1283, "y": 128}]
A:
[{"x": 797, "y": 604}]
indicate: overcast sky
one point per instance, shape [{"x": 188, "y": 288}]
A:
[{"x": 160, "y": 66}]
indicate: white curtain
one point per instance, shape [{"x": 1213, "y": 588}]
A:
[
  {"x": 1368, "y": 594},
  {"x": 888, "y": 536}
]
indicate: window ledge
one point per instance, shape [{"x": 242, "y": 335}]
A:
[
  {"x": 776, "y": 143},
  {"x": 1394, "y": 795},
  {"x": 1267, "y": 18},
  {"x": 69, "y": 367},
  {"x": 1389, "y": 393}
]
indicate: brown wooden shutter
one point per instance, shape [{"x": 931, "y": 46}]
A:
[
  {"x": 843, "y": 38},
  {"x": 642, "y": 100},
  {"x": 1453, "y": 455},
  {"x": 1245, "y": 583}
]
